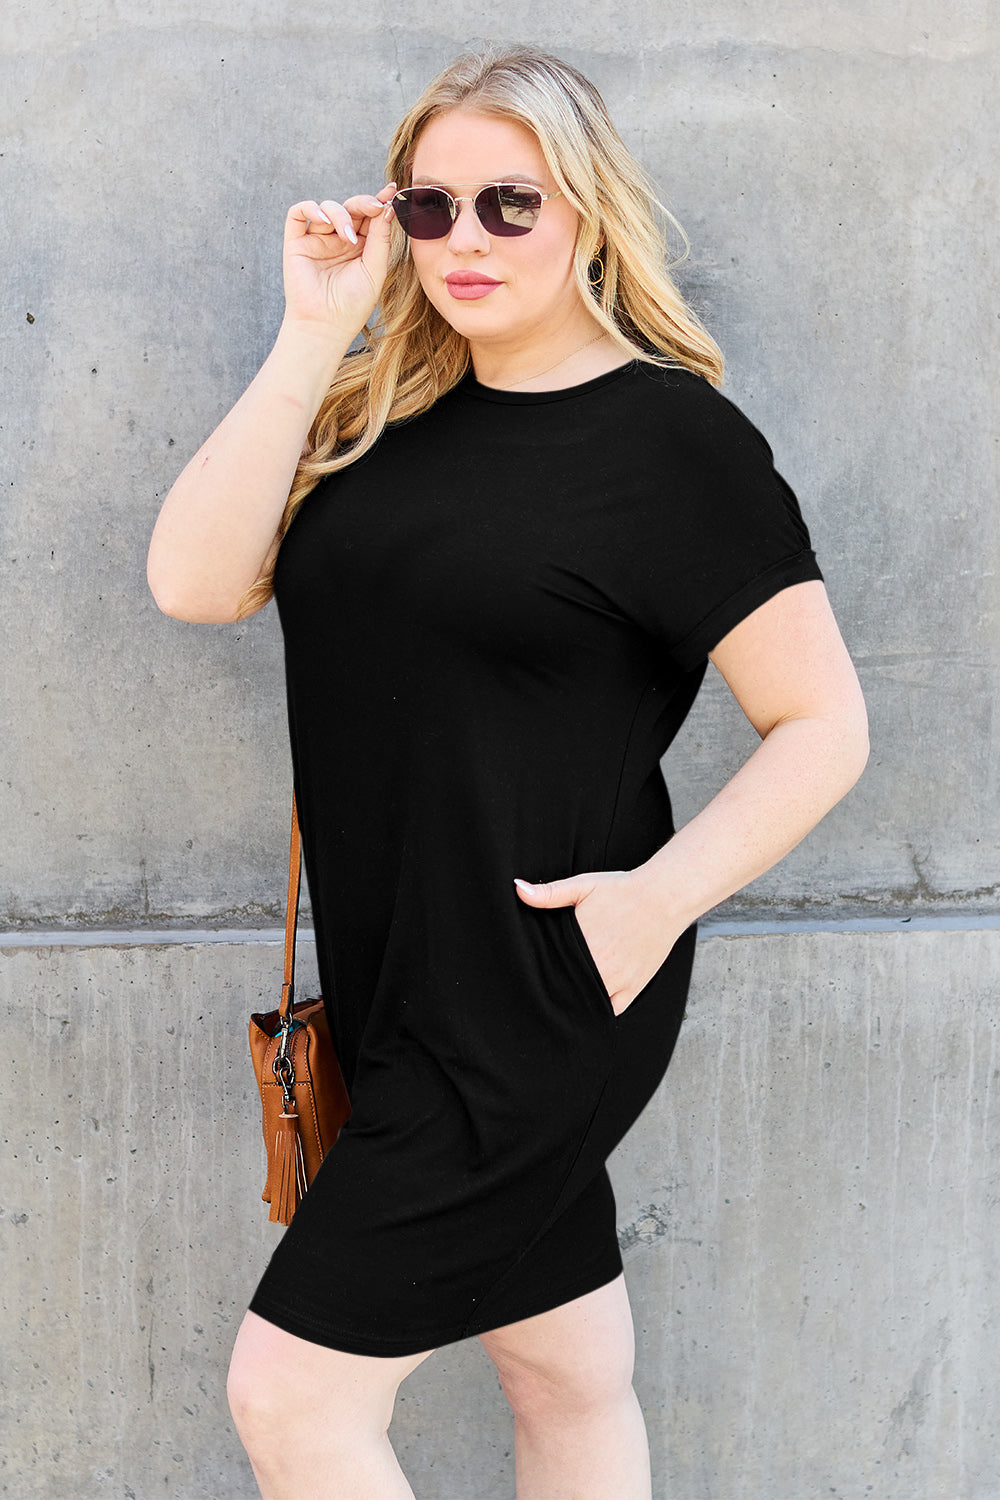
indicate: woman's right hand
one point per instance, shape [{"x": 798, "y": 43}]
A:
[{"x": 335, "y": 259}]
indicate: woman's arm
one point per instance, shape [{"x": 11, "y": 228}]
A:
[
  {"x": 217, "y": 528},
  {"x": 218, "y": 524},
  {"x": 789, "y": 670}
]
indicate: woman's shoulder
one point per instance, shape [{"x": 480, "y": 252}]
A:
[{"x": 692, "y": 409}]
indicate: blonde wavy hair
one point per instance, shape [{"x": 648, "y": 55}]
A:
[{"x": 412, "y": 356}]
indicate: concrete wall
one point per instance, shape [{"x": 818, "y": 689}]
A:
[
  {"x": 834, "y": 167},
  {"x": 806, "y": 1209}
]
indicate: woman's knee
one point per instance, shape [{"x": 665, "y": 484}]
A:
[
  {"x": 262, "y": 1384},
  {"x": 539, "y": 1390},
  {"x": 578, "y": 1357},
  {"x": 279, "y": 1386}
]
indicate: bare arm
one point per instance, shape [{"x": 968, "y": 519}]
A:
[
  {"x": 216, "y": 531},
  {"x": 789, "y": 670},
  {"x": 217, "y": 525}
]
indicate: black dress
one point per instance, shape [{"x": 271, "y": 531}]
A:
[{"x": 494, "y": 625}]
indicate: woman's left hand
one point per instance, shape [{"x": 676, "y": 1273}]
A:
[{"x": 627, "y": 931}]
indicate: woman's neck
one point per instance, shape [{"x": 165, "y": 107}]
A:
[{"x": 579, "y": 354}]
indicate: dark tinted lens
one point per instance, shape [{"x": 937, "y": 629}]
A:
[
  {"x": 508, "y": 209},
  {"x": 423, "y": 213}
]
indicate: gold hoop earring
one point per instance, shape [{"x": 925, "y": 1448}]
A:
[{"x": 595, "y": 281}]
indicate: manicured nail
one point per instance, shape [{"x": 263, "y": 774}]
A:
[
  {"x": 525, "y": 886},
  {"x": 324, "y": 217},
  {"x": 349, "y": 232}
]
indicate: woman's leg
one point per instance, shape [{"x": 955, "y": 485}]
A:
[
  {"x": 579, "y": 1433},
  {"x": 314, "y": 1421}
]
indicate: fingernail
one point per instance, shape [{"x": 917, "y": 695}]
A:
[
  {"x": 324, "y": 217},
  {"x": 525, "y": 886},
  {"x": 349, "y": 231},
  {"x": 390, "y": 212}
]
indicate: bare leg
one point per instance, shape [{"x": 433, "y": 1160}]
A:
[
  {"x": 579, "y": 1432},
  {"x": 314, "y": 1421}
]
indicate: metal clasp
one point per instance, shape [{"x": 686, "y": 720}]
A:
[{"x": 282, "y": 1065}]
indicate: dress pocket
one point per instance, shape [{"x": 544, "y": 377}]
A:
[{"x": 589, "y": 959}]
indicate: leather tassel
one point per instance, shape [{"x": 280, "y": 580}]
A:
[{"x": 289, "y": 1175}]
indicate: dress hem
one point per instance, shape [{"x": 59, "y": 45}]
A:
[{"x": 351, "y": 1343}]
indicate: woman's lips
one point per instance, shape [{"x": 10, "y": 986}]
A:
[{"x": 467, "y": 286}]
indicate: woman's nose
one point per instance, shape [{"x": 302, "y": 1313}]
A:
[{"x": 467, "y": 233}]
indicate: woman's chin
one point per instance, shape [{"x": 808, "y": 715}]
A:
[{"x": 467, "y": 319}]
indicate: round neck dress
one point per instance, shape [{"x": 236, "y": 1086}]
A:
[{"x": 494, "y": 625}]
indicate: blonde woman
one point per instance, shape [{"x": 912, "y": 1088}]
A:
[{"x": 505, "y": 538}]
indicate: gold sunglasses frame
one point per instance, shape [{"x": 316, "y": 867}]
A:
[{"x": 467, "y": 198}]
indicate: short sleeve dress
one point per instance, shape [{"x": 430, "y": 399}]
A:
[{"x": 494, "y": 625}]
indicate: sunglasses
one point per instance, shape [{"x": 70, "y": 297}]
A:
[{"x": 503, "y": 209}]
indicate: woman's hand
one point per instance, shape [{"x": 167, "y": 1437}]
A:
[
  {"x": 335, "y": 259},
  {"x": 624, "y": 926}
]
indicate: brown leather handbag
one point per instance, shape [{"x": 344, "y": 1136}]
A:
[{"x": 302, "y": 1089}]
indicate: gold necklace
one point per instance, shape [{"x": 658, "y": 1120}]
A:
[{"x": 535, "y": 376}]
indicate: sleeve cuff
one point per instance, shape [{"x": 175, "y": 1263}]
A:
[{"x": 694, "y": 648}]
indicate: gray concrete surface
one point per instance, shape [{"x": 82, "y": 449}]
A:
[
  {"x": 832, "y": 166},
  {"x": 808, "y": 1206},
  {"x": 807, "y": 1211}
]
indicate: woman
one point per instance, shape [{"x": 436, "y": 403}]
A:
[{"x": 504, "y": 538}]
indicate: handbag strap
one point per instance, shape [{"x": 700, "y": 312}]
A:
[{"x": 291, "y": 917}]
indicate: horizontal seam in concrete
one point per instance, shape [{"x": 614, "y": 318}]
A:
[
  {"x": 139, "y": 937},
  {"x": 955, "y": 922},
  {"x": 145, "y": 937}
]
